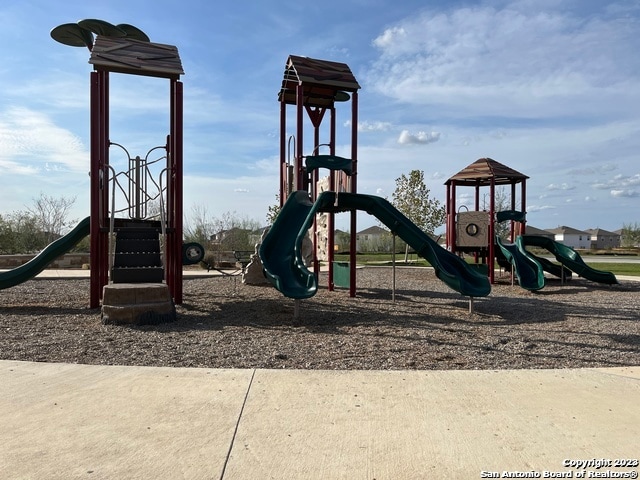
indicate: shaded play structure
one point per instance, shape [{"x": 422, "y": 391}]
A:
[
  {"x": 135, "y": 226},
  {"x": 315, "y": 87},
  {"x": 136, "y": 214},
  {"x": 472, "y": 231}
]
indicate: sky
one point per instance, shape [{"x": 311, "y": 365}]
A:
[{"x": 550, "y": 88}]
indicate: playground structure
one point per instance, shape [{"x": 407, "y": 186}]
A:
[
  {"x": 315, "y": 86},
  {"x": 474, "y": 231},
  {"x": 132, "y": 244}
]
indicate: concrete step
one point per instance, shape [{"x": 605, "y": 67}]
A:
[{"x": 137, "y": 304}]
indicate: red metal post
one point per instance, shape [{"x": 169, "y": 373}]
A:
[
  {"x": 523, "y": 205},
  {"x": 331, "y": 220},
  {"x": 353, "y": 189},
  {"x": 175, "y": 194},
  {"x": 492, "y": 207},
  {"x": 94, "y": 235},
  {"x": 99, "y": 241},
  {"x": 299, "y": 180},
  {"x": 452, "y": 235},
  {"x": 283, "y": 152}
]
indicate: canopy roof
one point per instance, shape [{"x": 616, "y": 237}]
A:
[
  {"x": 128, "y": 55},
  {"x": 324, "y": 82},
  {"x": 483, "y": 170}
]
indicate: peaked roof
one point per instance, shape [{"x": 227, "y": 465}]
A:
[
  {"x": 563, "y": 229},
  {"x": 600, "y": 231},
  {"x": 531, "y": 230},
  {"x": 374, "y": 230},
  {"x": 128, "y": 55},
  {"x": 481, "y": 172},
  {"x": 323, "y": 82}
]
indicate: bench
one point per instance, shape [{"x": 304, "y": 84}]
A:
[{"x": 243, "y": 257}]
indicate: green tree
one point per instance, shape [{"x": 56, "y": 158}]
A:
[
  {"x": 631, "y": 234},
  {"x": 411, "y": 197},
  {"x": 501, "y": 203},
  {"x": 273, "y": 210}
]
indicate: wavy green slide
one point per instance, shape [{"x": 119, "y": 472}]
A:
[
  {"x": 281, "y": 253},
  {"x": 52, "y": 251},
  {"x": 568, "y": 257},
  {"x": 528, "y": 270}
]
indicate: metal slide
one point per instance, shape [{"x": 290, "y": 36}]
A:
[
  {"x": 282, "y": 257},
  {"x": 568, "y": 257},
  {"x": 52, "y": 251}
]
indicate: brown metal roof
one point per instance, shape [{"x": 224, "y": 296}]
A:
[
  {"x": 481, "y": 172},
  {"x": 321, "y": 81},
  {"x": 127, "y": 55}
]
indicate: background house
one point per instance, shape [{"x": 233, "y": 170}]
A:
[
  {"x": 531, "y": 230},
  {"x": 603, "y": 239},
  {"x": 373, "y": 239},
  {"x": 571, "y": 237}
]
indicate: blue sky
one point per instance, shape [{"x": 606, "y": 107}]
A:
[{"x": 549, "y": 88}]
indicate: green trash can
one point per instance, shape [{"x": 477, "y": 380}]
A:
[
  {"x": 482, "y": 268},
  {"x": 341, "y": 274}
]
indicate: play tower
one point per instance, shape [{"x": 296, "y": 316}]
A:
[
  {"x": 132, "y": 243},
  {"x": 473, "y": 230},
  {"x": 315, "y": 87}
]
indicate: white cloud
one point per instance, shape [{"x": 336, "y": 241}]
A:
[
  {"x": 31, "y": 138},
  {"x": 561, "y": 186},
  {"x": 510, "y": 61},
  {"x": 539, "y": 208},
  {"x": 424, "y": 138},
  {"x": 371, "y": 126},
  {"x": 625, "y": 193}
]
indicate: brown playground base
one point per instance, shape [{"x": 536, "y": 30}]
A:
[{"x": 225, "y": 323}]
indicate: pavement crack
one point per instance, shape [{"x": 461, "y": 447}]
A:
[{"x": 235, "y": 430}]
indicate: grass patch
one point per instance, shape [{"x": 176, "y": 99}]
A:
[{"x": 632, "y": 269}]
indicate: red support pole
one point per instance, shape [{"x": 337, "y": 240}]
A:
[
  {"x": 94, "y": 228},
  {"x": 175, "y": 194},
  {"x": 353, "y": 189},
  {"x": 283, "y": 153},
  {"x": 99, "y": 195},
  {"x": 492, "y": 206},
  {"x": 523, "y": 205},
  {"x": 452, "y": 235},
  {"x": 298, "y": 178},
  {"x": 331, "y": 220}
]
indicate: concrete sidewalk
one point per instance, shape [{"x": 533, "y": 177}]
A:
[{"x": 62, "y": 421}]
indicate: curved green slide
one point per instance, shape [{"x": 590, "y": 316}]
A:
[
  {"x": 568, "y": 257},
  {"x": 281, "y": 249},
  {"x": 528, "y": 270},
  {"x": 52, "y": 251},
  {"x": 281, "y": 253}
]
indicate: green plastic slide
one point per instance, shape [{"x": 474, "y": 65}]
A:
[
  {"x": 528, "y": 270},
  {"x": 568, "y": 257},
  {"x": 52, "y": 251},
  {"x": 281, "y": 253},
  {"x": 281, "y": 249}
]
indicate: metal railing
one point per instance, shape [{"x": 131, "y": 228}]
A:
[{"x": 137, "y": 195}]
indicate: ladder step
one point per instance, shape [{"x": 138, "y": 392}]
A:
[
  {"x": 137, "y": 260},
  {"x": 137, "y": 275}
]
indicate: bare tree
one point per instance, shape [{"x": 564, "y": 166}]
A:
[
  {"x": 200, "y": 226},
  {"x": 51, "y": 215}
]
